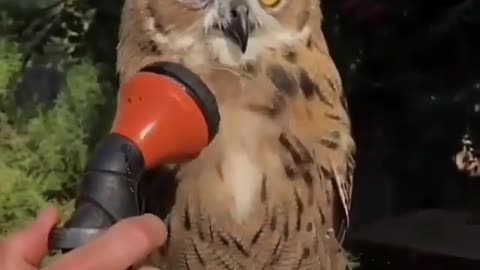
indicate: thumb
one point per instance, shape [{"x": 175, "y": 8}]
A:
[{"x": 31, "y": 244}]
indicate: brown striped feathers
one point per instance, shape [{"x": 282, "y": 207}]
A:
[{"x": 273, "y": 189}]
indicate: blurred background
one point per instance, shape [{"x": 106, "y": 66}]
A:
[{"x": 411, "y": 69}]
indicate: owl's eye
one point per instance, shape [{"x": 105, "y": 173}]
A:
[
  {"x": 270, "y": 3},
  {"x": 195, "y": 4}
]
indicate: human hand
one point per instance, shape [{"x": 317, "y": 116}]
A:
[{"x": 124, "y": 244}]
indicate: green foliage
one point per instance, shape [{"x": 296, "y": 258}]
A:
[
  {"x": 10, "y": 64},
  {"x": 50, "y": 28},
  {"x": 41, "y": 158}
]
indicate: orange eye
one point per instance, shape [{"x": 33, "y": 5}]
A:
[{"x": 270, "y": 3}]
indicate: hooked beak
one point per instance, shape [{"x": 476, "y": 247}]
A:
[{"x": 239, "y": 27}]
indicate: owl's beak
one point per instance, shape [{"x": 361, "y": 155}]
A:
[{"x": 239, "y": 28}]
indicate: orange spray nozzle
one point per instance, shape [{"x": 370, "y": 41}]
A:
[
  {"x": 165, "y": 114},
  {"x": 168, "y": 112}
]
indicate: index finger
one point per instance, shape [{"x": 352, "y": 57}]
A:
[{"x": 121, "y": 246}]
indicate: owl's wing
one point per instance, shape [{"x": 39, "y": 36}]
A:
[{"x": 322, "y": 119}]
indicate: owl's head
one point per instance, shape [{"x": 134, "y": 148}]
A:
[{"x": 234, "y": 30}]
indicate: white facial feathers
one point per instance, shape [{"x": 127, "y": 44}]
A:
[{"x": 203, "y": 36}]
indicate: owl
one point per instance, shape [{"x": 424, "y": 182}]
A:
[{"x": 273, "y": 189}]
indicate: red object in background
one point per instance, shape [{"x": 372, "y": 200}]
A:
[{"x": 367, "y": 11}]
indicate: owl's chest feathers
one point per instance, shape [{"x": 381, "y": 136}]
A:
[
  {"x": 244, "y": 140},
  {"x": 232, "y": 169},
  {"x": 243, "y": 153},
  {"x": 242, "y": 177}
]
